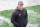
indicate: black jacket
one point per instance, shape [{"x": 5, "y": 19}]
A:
[{"x": 19, "y": 17}]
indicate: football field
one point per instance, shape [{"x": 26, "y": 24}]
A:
[{"x": 33, "y": 17}]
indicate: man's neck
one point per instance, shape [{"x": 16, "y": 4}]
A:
[{"x": 20, "y": 8}]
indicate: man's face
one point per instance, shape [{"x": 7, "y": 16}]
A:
[{"x": 20, "y": 6}]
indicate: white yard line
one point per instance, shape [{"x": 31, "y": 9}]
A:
[
  {"x": 5, "y": 19},
  {"x": 32, "y": 25},
  {"x": 33, "y": 13}
]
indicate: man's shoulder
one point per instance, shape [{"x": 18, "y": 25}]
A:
[
  {"x": 24, "y": 9},
  {"x": 15, "y": 11}
]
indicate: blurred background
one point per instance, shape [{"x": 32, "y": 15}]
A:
[{"x": 8, "y": 6}]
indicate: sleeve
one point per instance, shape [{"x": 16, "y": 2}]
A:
[
  {"x": 26, "y": 16},
  {"x": 13, "y": 19}
]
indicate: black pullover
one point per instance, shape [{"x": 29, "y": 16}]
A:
[{"x": 19, "y": 17}]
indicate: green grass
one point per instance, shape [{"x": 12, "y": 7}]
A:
[
  {"x": 6, "y": 13},
  {"x": 35, "y": 8},
  {"x": 5, "y": 24},
  {"x": 31, "y": 19}
]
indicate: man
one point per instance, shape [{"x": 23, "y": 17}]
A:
[{"x": 19, "y": 16}]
